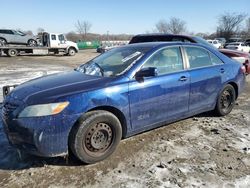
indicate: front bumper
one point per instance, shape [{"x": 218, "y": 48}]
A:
[{"x": 43, "y": 136}]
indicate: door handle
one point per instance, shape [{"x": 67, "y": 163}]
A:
[
  {"x": 183, "y": 78},
  {"x": 222, "y": 70}
]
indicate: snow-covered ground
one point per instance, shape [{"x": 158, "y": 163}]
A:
[{"x": 10, "y": 76}]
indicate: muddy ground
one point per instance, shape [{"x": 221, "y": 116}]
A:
[{"x": 201, "y": 151}]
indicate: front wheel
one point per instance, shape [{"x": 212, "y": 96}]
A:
[
  {"x": 225, "y": 101},
  {"x": 71, "y": 52},
  {"x": 95, "y": 136},
  {"x": 32, "y": 42}
]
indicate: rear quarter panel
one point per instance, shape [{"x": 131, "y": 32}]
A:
[{"x": 233, "y": 73}]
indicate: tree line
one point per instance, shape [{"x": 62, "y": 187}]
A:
[{"x": 228, "y": 25}]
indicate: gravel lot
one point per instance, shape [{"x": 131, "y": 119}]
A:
[{"x": 202, "y": 151}]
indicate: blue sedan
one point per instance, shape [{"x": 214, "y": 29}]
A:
[{"x": 118, "y": 94}]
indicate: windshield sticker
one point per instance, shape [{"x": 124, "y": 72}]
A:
[{"x": 131, "y": 56}]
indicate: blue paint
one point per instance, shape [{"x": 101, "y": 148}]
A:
[{"x": 144, "y": 104}]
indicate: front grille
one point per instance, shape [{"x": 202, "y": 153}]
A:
[{"x": 8, "y": 108}]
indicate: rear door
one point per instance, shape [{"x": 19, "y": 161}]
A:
[
  {"x": 163, "y": 97},
  {"x": 54, "y": 41},
  {"x": 10, "y": 37},
  {"x": 207, "y": 73}
]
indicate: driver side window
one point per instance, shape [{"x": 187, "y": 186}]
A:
[{"x": 166, "y": 61}]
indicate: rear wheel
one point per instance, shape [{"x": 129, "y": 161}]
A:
[
  {"x": 225, "y": 101},
  {"x": 3, "y": 42},
  {"x": 95, "y": 136},
  {"x": 12, "y": 52},
  {"x": 32, "y": 42}
]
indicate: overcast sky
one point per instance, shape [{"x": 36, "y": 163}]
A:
[{"x": 115, "y": 16}]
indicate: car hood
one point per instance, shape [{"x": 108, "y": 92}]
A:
[
  {"x": 70, "y": 43},
  {"x": 52, "y": 87}
]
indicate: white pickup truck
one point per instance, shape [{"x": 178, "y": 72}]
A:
[{"x": 48, "y": 43}]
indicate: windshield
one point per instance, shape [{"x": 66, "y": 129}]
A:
[
  {"x": 113, "y": 62},
  {"x": 20, "y": 33}
]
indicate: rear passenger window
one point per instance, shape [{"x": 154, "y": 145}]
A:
[
  {"x": 198, "y": 57},
  {"x": 9, "y": 32},
  {"x": 53, "y": 37},
  {"x": 166, "y": 61},
  {"x": 215, "y": 60}
]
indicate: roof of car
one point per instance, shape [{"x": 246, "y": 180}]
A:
[
  {"x": 160, "y": 44},
  {"x": 160, "y": 34}
]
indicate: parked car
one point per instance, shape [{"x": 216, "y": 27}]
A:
[
  {"x": 234, "y": 39},
  {"x": 118, "y": 94},
  {"x": 234, "y": 54},
  {"x": 241, "y": 57},
  {"x": 239, "y": 46},
  {"x": 215, "y": 43},
  {"x": 221, "y": 40},
  {"x": 104, "y": 48},
  {"x": 9, "y": 36},
  {"x": 247, "y": 42}
]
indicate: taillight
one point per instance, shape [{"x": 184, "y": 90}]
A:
[
  {"x": 247, "y": 66},
  {"x": 243, "y": 69}
]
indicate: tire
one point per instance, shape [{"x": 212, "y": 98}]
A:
[
  {"x": 225, "y": 101},
  {"x": 3, "y": 42},
  {"x": 32, "y": 42},
  {"x": 71, "y": 52},
  {"x": 12, "y": 52},
  {"x": 95, "y": 136}
]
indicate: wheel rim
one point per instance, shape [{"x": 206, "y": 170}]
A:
[
  {"x": 72, "y": 52},
  {"x": 227, "y": 100},
  {"x": 98, "y": 138},
  {"x": 2, "y": 42},
  {"x": 12, "y": 52},
  {"x": 32, "y": 43}
]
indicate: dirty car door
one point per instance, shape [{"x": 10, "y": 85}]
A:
[
  {"x": 207, "y": 73},
  {"x": 163, "y": 97}
]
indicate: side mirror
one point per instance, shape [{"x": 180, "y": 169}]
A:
[{"x": 146, "y": 72}]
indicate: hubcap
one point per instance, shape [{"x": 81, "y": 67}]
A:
[
  {"x": 72, "y": 52},
  {"x": 32, "y": 43},
  {"x": 226, "y": 99},
  {"x": 2, "y": 42},
  {"x": 99, "y": 137}
]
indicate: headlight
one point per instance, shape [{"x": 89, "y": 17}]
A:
[{"x": 43, "y": 109}]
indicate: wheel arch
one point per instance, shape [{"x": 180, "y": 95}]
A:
[
  {"x": 117, "y": 113},
  {"x": 235, "y": 88},
  {"x": 4, "y": 39},
  {"x": 69, "y": 47}
]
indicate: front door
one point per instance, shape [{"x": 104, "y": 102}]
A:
[{"x": 163, "y": 97}]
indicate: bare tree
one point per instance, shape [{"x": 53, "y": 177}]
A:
[
  {"x": 72, "y": 36},
  {"x": 40, "y": 30},
  {"x": 248, "y": 27},
  {"x": 29, "y": 32},
  {"x": 83, "y": 27},
  {"x": 229, "y": 24},
  {"x": 174, "y": 26},
  {"x": 162, "y": 26}
]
